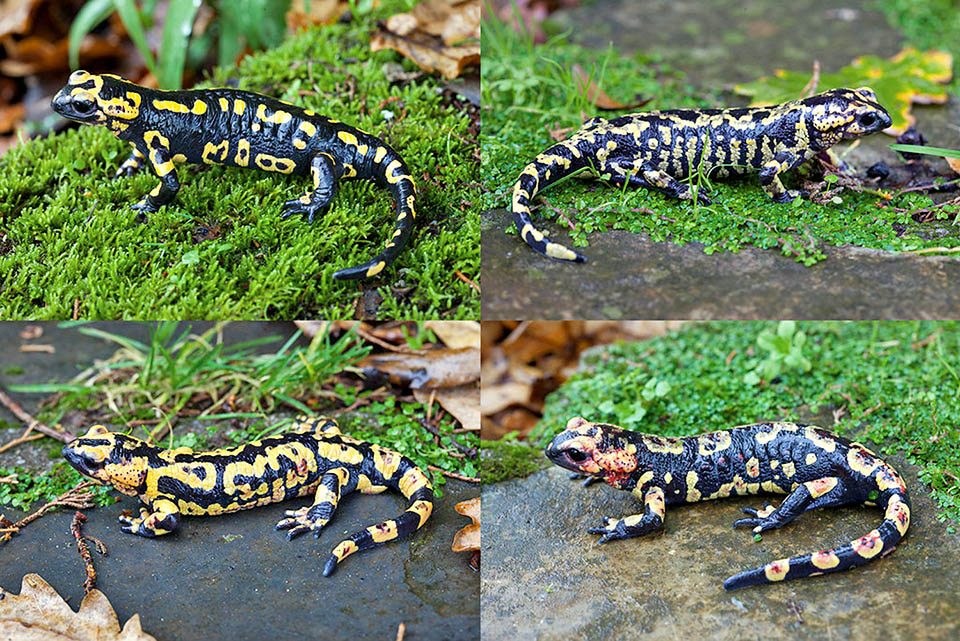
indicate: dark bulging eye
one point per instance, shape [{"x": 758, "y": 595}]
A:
[
  {"x": 576, "y": 456},
  {"x": 868, "y": 120},
  {"x": 84, "y": 107}
]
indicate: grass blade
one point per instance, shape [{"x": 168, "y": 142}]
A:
[
  {"x": 176, "y": 35},
  {"x": 929, "y": 151},
  {"x": 92, "y": 14},
  {"x": 131, "y": 20}
]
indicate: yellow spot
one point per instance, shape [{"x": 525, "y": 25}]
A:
[
  {"x": 693, "y": 494},
  {"x": 777, "y": 570},
  {"x": 242, "y": 158},
  {"x": 861, "y": 460},
  {"x": 199, "y": 108},
  {"x": 272, "y": 163},
  {"x": 423, "y": 509},
  {"x": 348, "y": 138},
  {"x": 753, "y": 467},
  {"x": 171, "y": 105},
  {"x": 224, "y": 104},
  {"x": 211, "y": 150},
  {"x": 238, "y": 106},
  {"x": 150, "y": 136},
  {"x": 667, "y": 478},
  {"x": 811, "y": 458},
  {"x": 309, "y": 128},
  {"x": 869, "y": 545},
  {"x": 789, "y": 469},
  {"x": 179, "y": 158},
  {"x": 824, "y": 560},
  {"x": 255, "y": 127},
  {"x": 348, "y": 170},
  {"x": 299, "y": 144},
  {"x": 556, "y": 250},
  {"x": 714, "y": 442},
  {"x": 381, "y": 152},
  {"x": 376, "y": 269},
  {"x": 819, "y": 487},
  {"x": 278, "y": 117}
]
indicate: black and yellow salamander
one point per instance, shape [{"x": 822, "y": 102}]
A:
[
  {"x": 659, "y": 149},
  {"x": 813, "y": 467},
  {"x": 312, "y": 458},
  {"x": 240, "y": 129}
]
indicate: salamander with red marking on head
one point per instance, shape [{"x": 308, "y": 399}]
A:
[{"x": 813, "y": 467}]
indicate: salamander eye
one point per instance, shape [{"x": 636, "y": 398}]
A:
[
  {"x": 84, "y": 107},
  {"x": 575, "y": 455},
  {"x": 868, "y": 120}
]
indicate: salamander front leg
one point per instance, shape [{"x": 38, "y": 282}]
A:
[
  {"x": 162, "y": 164},
  {"x": 671, "y": 186},
  {"x": 314, "y": 517},
  {"x": 134, "y": 163},
  {"x": 326, "y": 172},
  {"x": 770, "y": 177},
  {"x": 163, "y": 517},
  {"x": 635, "y": 524}
]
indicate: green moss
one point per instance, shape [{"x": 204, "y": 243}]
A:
[
  {"x": 508, "y": 458},
  {"x": 221, "y": 250},
  {"x": 897, "y": 384},
  {"x": 521, "y": 107}
]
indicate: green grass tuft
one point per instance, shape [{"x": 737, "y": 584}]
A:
[{"x": 221, "y": 250}]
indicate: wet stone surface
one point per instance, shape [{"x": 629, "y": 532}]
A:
[
  {"x": 233, "y": 576},
  {"x": 629, "y": 276},
  {"x": 545, "y": 578}
]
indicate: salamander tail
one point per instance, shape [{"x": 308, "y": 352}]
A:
[
  {"x": 398, "y": 181},
  {"x": 871, "y": 546},
  {"x": 415, "y": 486},
  {"x": 550, "y": 166}
]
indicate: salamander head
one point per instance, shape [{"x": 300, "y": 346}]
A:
[
  {"x": 846, "y": 113},
  {"x": 111, "y": 458},
  {"x": 98, "y": 100},
  {"x": 595, "y": 449}
]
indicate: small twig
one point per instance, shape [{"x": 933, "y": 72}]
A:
[
  {"x": 811, "y": 87},
  {"x": 20, "y": 413},
  {"x": 466, "y": 280},
  {"x": 78, "y": 519},
  {"x": 46, "y": 349},
  {"x": 23, "y": 438},
  {"x": 10, "y": 478},
  {"x": 385, "y": 345},
  {"x": 872, "y": 410},
  {"x": 401, "y": 630},
  {"x": 76, "y": 497},
  {"x": 930, "y": 250},
  {"x": 453, "y": 475},
  {"x": 76, "y": 308}
]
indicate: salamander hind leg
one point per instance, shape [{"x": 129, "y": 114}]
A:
[
  {"x": 807, "y": 496},
  {"x": 163, "y": 517},
  {"x": 672, "y": 187},
  {"x": 314, "y": 517},
  {"x": 635, "y": 524},
  {"x": 326, "y": 171},
  {"x": 134, "y": 163}
]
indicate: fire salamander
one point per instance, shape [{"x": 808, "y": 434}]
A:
[
  {"x": 813, "y": 467},
  {"x": 240, "y": 129},
  {"x": 313, "y": 458},
  {"x": 659, "y": 149}
]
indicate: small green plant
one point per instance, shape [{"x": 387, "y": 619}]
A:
[{"x": 784, "y": 351}]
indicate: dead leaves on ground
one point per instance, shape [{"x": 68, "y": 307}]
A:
[
  {"x": 525, "y": 361},
  {"x": 438, "y": 35},
  {"x": 596, "y": 95},
  {"x": 467, "y": 539},
  {"x": 38, "y": 613}
]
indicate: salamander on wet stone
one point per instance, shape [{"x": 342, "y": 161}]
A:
[
  {"x": 813, "y": 467},
  {"x": 659, "y": 149},
  {"x": 312, "y": 458},
  {"x": 240, "y": 129}
]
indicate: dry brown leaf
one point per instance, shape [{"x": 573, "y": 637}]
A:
[
  {"x": 499, "y": 397},
  {"x": 456, "y": 334},
  {"x": 31, "y": 332},
  {"x": 954, "y": 164},
  {"x": 315, "y": 328},
  {"x": 319, "y": 12},
  {"x": 462, "y": 402},
  {"x": 597, "y": 96},
  {"x": 433, "y": 368},
  {"x": 16, "y": 16},
  {"x": 468, "y": 538},
  {"x": 38, "y": 613},
  {"x": 428, "y": 35}
]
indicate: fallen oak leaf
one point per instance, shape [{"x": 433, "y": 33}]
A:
[
  {"x": 428, "y": 52},
  {"x": 455, "y": 334},
  {"x": 38, "y": 613},
  {"x": 597, "y": 96},
  {"x": 467, "y": 539},
  {"x": 432, "y": 368},
  {"x": 462, "y": 402},
  {"x": 317, "y": 12}
]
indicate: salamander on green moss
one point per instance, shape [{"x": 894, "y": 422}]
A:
[
  {"x": 813, "y": 467},
  {"x": 312, "y": 458},
  {"x": 659, "y": 149},
  {"x": 240, "y": 129}
]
